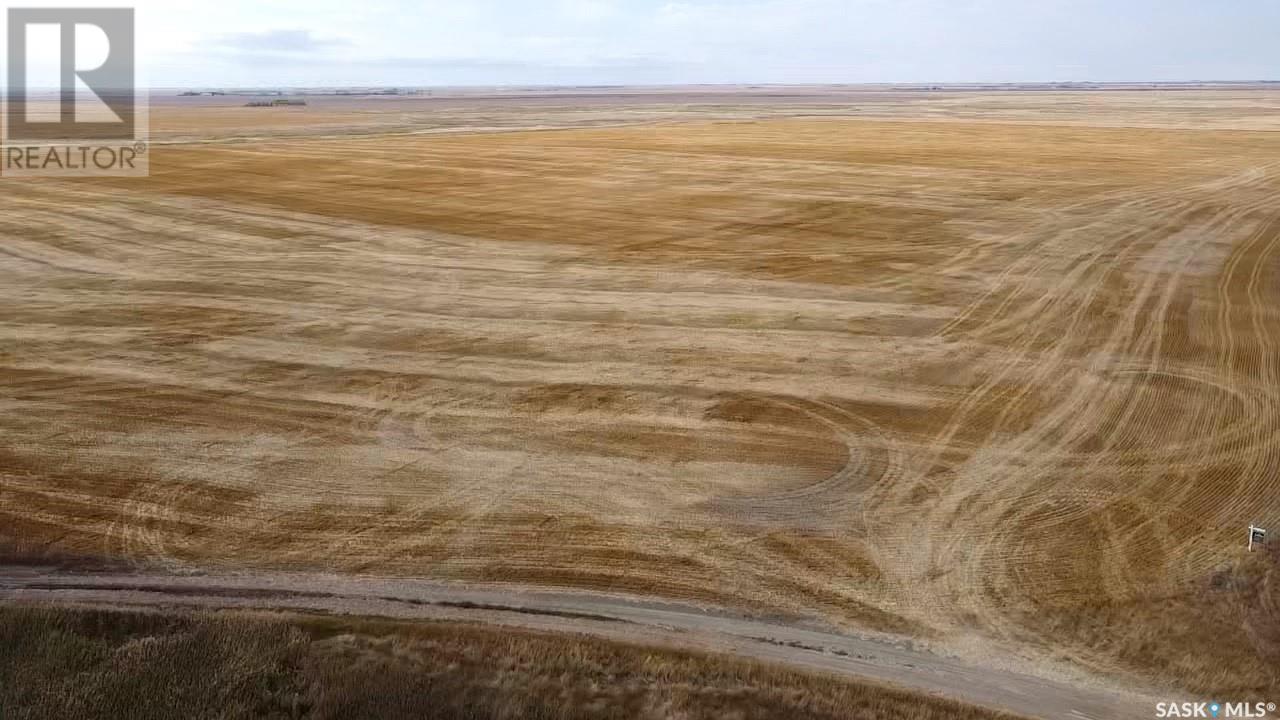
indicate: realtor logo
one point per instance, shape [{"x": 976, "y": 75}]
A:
[{"x": 72, "y": 106}]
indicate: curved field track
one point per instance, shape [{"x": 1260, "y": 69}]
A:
[{"x": 1013, "y": 389}]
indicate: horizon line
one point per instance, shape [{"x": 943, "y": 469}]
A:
[{"x": 915, "y": 84}]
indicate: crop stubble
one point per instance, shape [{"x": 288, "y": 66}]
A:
[{"x": 931, "y": 377}]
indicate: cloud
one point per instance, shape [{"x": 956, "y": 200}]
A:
[
  {"x": 513, "y": 68},
  {"x": 403, "y": 42},
  {"x": 278, "y": 41},
  {"x": 587, "y": 11}
]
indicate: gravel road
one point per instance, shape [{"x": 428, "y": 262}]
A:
[{"x": 615, "y": 617}]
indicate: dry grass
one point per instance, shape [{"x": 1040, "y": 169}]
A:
[
  {"x": 81, "y": 664},
  {"x": 953, "y": 379},
  {"x": 1221, "y": 638}
]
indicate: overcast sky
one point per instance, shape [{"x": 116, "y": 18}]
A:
[{"x": 215, "y": 43}]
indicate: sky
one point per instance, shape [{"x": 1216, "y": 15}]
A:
[{"x": 309, "y": 43}]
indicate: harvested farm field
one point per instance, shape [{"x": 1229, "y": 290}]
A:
[{"x": 988, "y": 371}]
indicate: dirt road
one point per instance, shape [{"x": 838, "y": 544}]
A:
[{"x": 808, "y": 647}]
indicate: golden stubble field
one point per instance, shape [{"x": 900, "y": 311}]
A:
[{"x": 985, "y": 382}]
